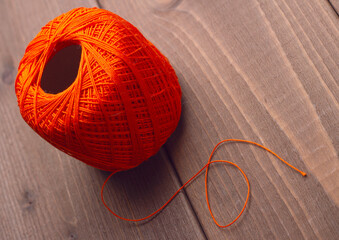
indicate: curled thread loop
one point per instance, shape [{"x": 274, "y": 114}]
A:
[{"x": 206, "y": 188}]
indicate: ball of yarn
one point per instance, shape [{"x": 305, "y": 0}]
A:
[{"x": 124, "y": 102}]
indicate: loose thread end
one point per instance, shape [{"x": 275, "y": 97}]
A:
[{"x": 207, "y": 199}]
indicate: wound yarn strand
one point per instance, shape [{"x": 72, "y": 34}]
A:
[
  {"x": 206, "y": 186},
  {"x": 122, "y": 106}
]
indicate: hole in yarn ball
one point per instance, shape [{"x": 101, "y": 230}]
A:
[{"x": 61, "y": 70}]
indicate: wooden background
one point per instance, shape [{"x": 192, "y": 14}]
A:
[{"x": 262, "y": 70}]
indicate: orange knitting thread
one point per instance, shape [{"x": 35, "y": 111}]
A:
[
  {"x": 124, "y": 103},
  {"x": 206, "y": 187}
]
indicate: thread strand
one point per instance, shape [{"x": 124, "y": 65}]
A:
[{"x": 206, "y": 186}]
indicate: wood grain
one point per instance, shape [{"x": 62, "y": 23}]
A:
[
  {"x": 335, "y": 5},
  {"x": 262, "y": 70}
]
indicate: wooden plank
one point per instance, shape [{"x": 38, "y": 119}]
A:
[
  {"x": 260, "y": 70},
  {"x": 46, "y": 194}
]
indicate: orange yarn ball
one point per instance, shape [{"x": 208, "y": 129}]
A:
[{"x": 124, "y": 102}]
